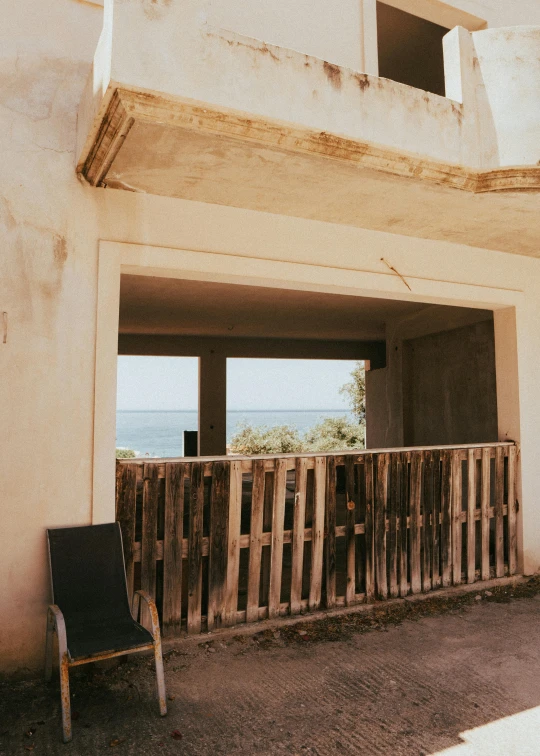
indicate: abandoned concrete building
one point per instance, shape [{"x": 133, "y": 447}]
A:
[{"x": 346, "y": 180}]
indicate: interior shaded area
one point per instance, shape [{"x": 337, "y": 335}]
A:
[
  {"x": 430, "y": 376},
  {"x": 410, "y": 49}
]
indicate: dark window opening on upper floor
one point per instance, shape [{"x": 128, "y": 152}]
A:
[{"x": 410, "y": 49}]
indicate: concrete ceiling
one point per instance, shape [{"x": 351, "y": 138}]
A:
[
  {"x": 170, "y": 306},
  {"x": 164, "y": 160}
]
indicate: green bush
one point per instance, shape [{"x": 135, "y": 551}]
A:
[
  {"x": 125, "y": 453},
  {"x": 262, "y": 439},
  {"x": 331, "y": 434},
  {"x": 334, "y": 434}
]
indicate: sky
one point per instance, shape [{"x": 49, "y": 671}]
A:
[{"x": 170, "y": 383}]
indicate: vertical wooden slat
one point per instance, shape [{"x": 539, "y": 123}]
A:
[
  {"x": 403, "y": 529},
  {"x": 359, "y": 471},
  {"x": 276, "y": 557},
  {"x": 149, "y": 536},
  {"x": 233, "y": 542},
  {"x": 414, "y": 530},
  {"x": 195, "y": 536},
  {"x": 217, "y": 544},
  {"x": 499, "y": 518},
  {"x": 330, "y": 532},
  {"x": 484, "y": 509},
  {"x": 317, "y": 533},
  {"x": 427, "y": 530},
  {"x": 393, "y": 509},
  {"x": 267, "y": 528},
  {"x": 381, "y": 494},
  {"x": 512, "y": 519},
  {"x": 125, "y": 514},
  {"x": 299, "y": 526},
  {"x": 435, "y": 521},
  {"x": 172, "y": 546},
  {"x": 350, "y": 537},
  {"x": 255, "y": 541},
  {"x": 456, "y": 497},
  {"x": 471, "y": 523},
  {"x": 369, "y": 527},
  {"x": 446, "y": 519}
]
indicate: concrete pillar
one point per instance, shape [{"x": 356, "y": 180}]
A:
[
  {"x": 369, "y": 52},
  {"x": 212, "y": 403},
  {"x": 508, "y": 421}
]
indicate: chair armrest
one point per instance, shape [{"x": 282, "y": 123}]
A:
[
  {"x": 152, "y": 608},
  {"x": 56, "y": 618}
]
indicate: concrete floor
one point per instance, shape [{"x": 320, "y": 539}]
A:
[{"x": 380, "y": 688}]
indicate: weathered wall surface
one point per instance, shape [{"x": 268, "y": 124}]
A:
[
  {"x": 449, "y": 387},
  {"x": 50, "y": 227}
]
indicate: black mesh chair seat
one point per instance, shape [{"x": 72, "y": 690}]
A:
[
  {"x": 91, "y": 613},
  {"x": 91, "y": 638}
]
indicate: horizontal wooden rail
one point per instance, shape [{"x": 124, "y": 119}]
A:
[{"x": 229, "y": 539}]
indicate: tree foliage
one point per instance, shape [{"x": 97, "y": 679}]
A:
[
  {"x": 355, "y": 391},
  {"x": 262, "y": 439},
  {"x": 334, "y": 434},
  {"x": 123, "y": 453}
]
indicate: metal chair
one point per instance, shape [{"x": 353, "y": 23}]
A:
[{"x": 90, "y": 613}]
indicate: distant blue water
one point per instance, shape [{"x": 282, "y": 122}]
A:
[{"x": 160, "y": 434}]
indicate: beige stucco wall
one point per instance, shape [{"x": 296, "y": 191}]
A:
[{"x": 50, "y": 227}]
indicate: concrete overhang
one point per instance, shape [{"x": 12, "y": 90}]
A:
[{"x": 266, "y": 128}]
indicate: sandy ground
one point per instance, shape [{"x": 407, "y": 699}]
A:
[{"x": 402, "y": 681}]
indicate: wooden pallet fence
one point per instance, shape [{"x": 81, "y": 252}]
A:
[{"x": 228, "y": 540}]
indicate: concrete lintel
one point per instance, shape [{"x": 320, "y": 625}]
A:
[{"x": 299, "y": 349}]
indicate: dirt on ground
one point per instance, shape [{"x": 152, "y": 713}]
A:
[{"x": 403, "y": 678}]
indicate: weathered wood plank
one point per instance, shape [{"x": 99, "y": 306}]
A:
[
  {"x": 471, "y": 522},
  {"x": 369, "y": 527},
  {"x": 403, "y": 529},
  {"x": 350, "y": 535},
  {"x": 172, "y": 547},
  {"x": 194, "y": 566},
  {"x": 149, "y": 536},
  {"x": 330, "y": 532},
  {"x": 427, "y": 530},
  {"x": 446, "y": 519},
  {"x": 276, "y": 557},
  {"x": 317, "y": 533},
  {"x": 267, "y": 529},
  {"x": 299, "y": 525},
  {"x": 435, "y": 521},
  {"x": 499, "y": 521},
  {"x": 414, "y": 529},
  {"x": 392, "y": 514},
  {"x": 381, "y": 495},
  {"x": 255, "y": 541},
  {"x": 359, "y": 473},
  {"x": 512, "y": 513},
  {"x": 126, "y": 482},
  {"x": 456, "y": 507},
  {"x": 218, "y": 545},
  {"x": 485, "y": 499},
  {"x": 233, "y": 543}
]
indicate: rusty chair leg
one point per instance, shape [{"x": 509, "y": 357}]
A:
[
  {"x": 49, "y": 639},
  {"x": 160, "y": 676},
  {"x": 57, "y": 620}
]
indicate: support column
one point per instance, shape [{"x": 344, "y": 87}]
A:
[
  {"x": 212, "y": 404},
  {"x": 509, "y": 429},
  {"x": 369, "y": 54}
]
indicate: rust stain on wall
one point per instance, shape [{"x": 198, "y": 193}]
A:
[
  {"x": 333, "y": 74},
  {"x": 362, "y": 80},
  {"x": 154, "y": 9},
  {"x": 60, "y": 249}
]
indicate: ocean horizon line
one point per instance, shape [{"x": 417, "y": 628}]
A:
[{"x": 315, "y": 409}]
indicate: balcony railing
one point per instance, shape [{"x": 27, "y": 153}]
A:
[{"x": 228, "y": 540}]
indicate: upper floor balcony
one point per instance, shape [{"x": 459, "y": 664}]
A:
[{"x": 283, "y": 110}]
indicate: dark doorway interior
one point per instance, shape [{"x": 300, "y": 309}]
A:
[{"x": 410, "y": 49}]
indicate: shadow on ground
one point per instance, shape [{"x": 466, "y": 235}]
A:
[{"x": 402, "y": 679}]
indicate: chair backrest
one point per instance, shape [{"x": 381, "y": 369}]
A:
[{"x": 87, "y": 571}]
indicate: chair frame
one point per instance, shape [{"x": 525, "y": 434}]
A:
[{"x": 56, "y": 623}]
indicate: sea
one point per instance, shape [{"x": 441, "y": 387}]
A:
[{"x": 160, "y": 434}]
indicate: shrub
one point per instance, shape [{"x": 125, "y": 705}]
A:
[
  {"x": 335, "y": 434},
  {"x": 281, "y": 439},
  {"x": 123, "y": 453}
]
